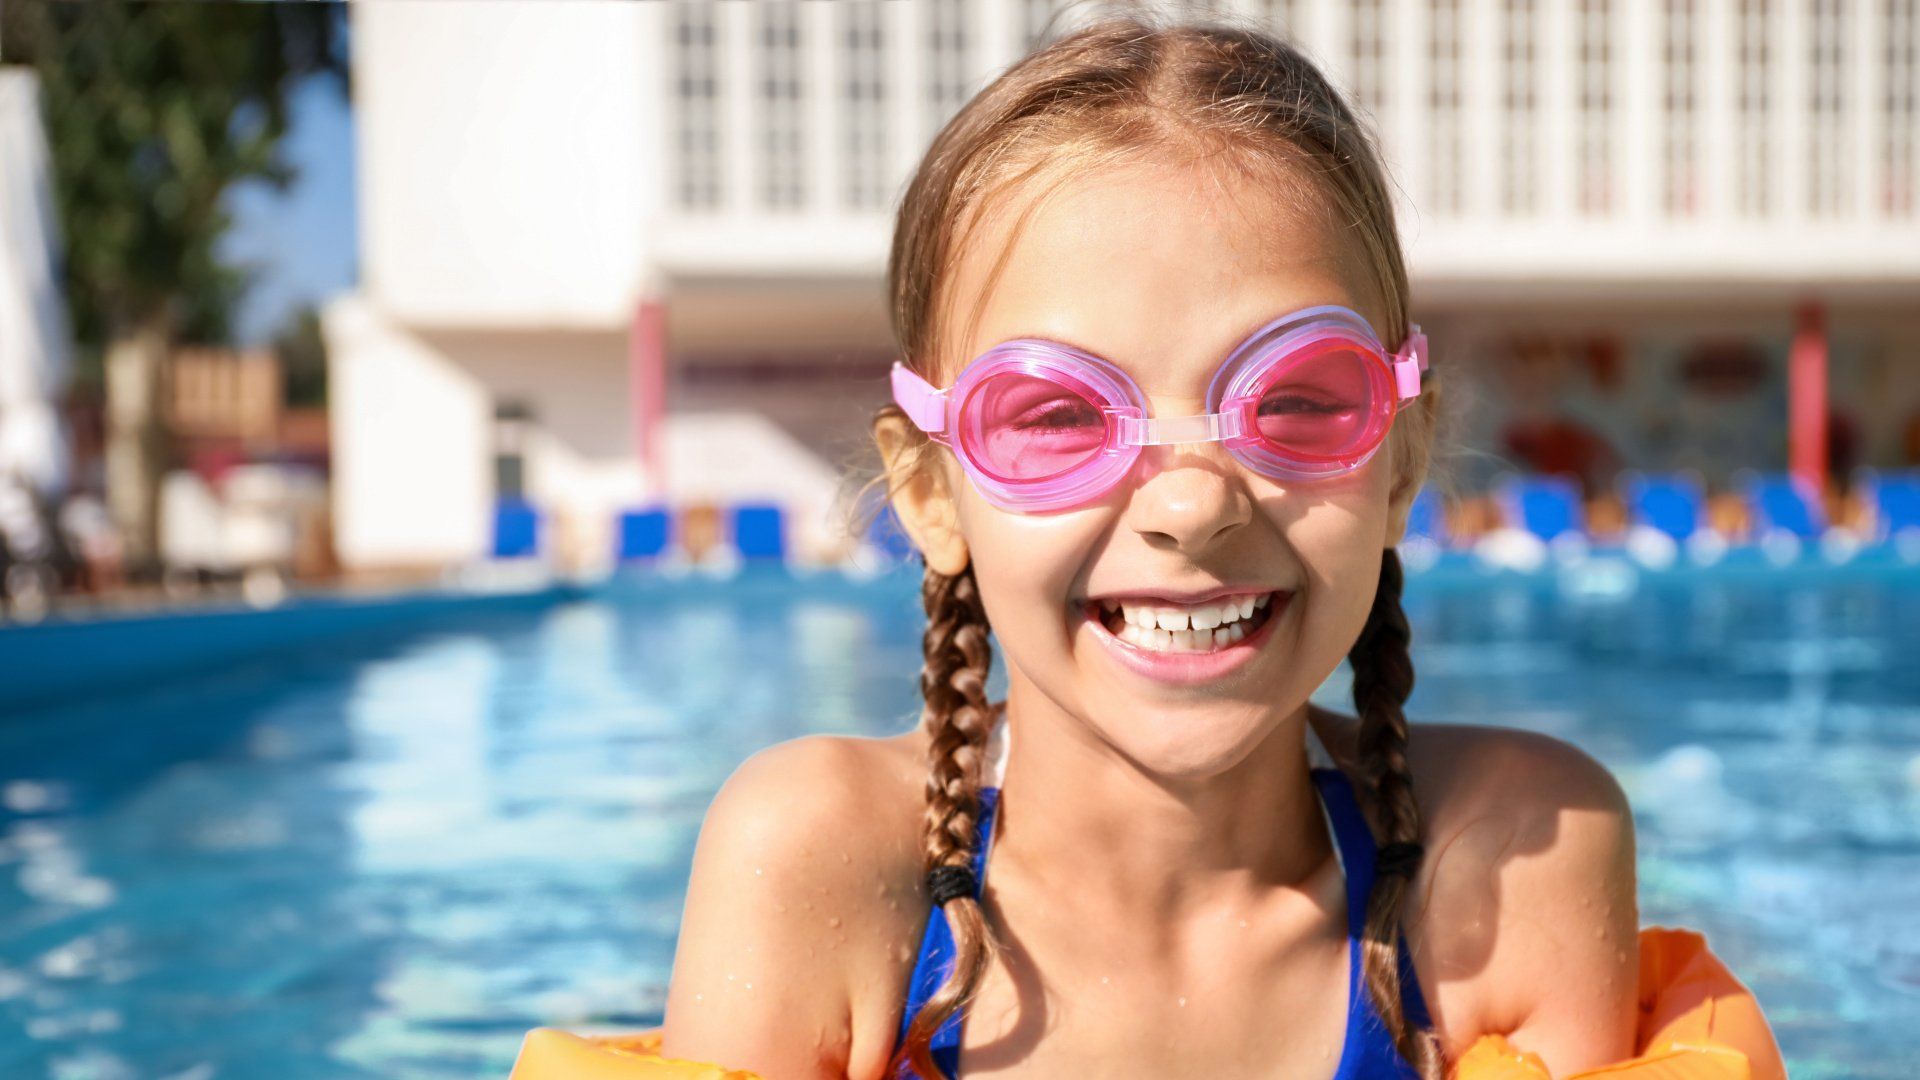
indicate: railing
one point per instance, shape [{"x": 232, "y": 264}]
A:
[{"x": 1573, "y": 140}]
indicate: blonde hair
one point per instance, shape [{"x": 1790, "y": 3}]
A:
[{"x": 1135, "y": 86}]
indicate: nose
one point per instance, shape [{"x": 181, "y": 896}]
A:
[{"x": 1187, "y": 497}]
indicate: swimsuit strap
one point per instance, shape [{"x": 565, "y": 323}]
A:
[
  {"x": 1368, "y": 1052},
  {"x": 937, "y": 952}
]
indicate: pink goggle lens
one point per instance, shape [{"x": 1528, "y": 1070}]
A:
[
  {"x": 1024, "y": 427},
  {"x": 1327, "y": 405}
]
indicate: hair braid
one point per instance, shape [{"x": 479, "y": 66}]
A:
[
  {"x": 958, "y": 719},
  {"x": 1382, "y": 680}
]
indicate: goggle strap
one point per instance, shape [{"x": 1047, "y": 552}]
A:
[
  {"x": 923, "y": 404},
  {"x": 1157, "y": 431},
  {"x": 1409, "y": 363}
]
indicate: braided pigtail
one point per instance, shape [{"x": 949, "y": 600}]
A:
[
  {"x": 958, "y": 719},
  {"x": 1382, "y": 680}
]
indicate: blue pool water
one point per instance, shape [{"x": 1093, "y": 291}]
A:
[{"x": 390, "y": 857}]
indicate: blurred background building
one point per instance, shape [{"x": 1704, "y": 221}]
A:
[{"x": 619, "y": 255}]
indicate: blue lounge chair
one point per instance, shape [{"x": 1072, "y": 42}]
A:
[
  {"x": 516, "y": 529},
  {"x": 1546, "y": 506},
  {"x": 888, "y": 536},
  {"x": 759, "y": 531},
  {"x": 1427, "y": 519},
  {"x": 1671, "y": 504},
  {"x": 1896, "y": 504},
  {"x": 1782, "y": 504},
  {"x": 644, "y": 534}
]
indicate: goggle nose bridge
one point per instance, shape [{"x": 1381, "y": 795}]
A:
[{"x": 1138, "y": 430}]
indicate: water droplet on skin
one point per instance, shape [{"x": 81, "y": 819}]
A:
[
  {"x": 893, "y": 905},
  {"x": 729, "y": 976},
  {"x": 834, "y": 922},
  {"x": 1325, "y": 1053},
  {"x": 699, "y": 997},
  {"x": 757, "y": 871},
  {"x": 1104, "y": 980},
  {"x": 846, "y": 858},
  {"x": 809, "y": 950},
  {"x": 1183, "y": 1003},
  {"x": 749, "y": 986},
  {"x": 1243, "y": 924},
  {"x": 780, "y": 907},
  {"x": 1599, "y": 932}
]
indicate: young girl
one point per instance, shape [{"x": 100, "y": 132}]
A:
[{"x": 1160, "y": 417}]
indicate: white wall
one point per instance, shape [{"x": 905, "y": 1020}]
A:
[
  {"x": 507, "y": 159},
  {"x": 413, "y": 430},
  {"x": 410, "y": 434}
]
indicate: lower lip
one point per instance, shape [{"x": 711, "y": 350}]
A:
[{"x": 1188, "y": 668}]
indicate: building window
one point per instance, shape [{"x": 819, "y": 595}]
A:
[
  {"x": 948, "y": 62},
  {"x": 783, "y": 165},
  {"x": 1281, "y": 17},
  {"x": 512, "y": 424},
  {"x": 1680, "y": 195},
  {"x": 1369, "y": 57},
  {"x": 696, "y": 91},
  {"x": 863, "y": 59},
  {"x": 1594, "y": 177},
  {"x": 1753, "y": 108},
  {"x": 1443, "y": 108},
  {"x": 1826, "y": 123},
  {"x": 1900, "y": 112},
  {"x": 1036, "y": 18},
  {"x": 1520, "y": 145}
]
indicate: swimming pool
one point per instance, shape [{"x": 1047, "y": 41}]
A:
[{"x": 391, "y": 856}]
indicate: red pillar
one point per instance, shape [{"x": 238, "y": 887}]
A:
[
  {"x": 647, "y": 378},
  {"x": 1807, "y": 399}
]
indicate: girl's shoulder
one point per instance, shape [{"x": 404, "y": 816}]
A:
[
  {"x": 1522, "y": 917},
  {"x": 803, "y": 908}
]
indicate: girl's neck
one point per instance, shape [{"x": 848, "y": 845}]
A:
[{"x": 1078, "y": 816}]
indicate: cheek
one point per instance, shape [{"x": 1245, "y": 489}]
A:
[
  {"x": 1337, "y": 531},
  {"x": 1026, "y": 566}
]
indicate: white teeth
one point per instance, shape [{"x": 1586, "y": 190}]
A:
[{"x": 1199, "y": 628}]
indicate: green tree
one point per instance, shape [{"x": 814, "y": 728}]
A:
[{"x": 154, "y": 111}]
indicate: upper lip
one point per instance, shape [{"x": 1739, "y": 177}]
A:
[{"x": 1176, "y": 596}]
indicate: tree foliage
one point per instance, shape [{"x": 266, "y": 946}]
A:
[{"x": 153, "y": 112}]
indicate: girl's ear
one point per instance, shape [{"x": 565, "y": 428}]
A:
[{"x": 921, "y": 498}]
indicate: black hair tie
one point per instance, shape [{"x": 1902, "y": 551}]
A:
[
  {"x": 950, "y": 883},
  {"x": 1399, "y": 857}
]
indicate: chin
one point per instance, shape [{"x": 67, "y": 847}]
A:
[{"x": 1195, "y": 743}]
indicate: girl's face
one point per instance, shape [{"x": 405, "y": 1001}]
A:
[{"x": 1163, "y": 270}]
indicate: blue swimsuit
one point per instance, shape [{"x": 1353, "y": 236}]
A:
[{"x": 1366, "y": 1054}]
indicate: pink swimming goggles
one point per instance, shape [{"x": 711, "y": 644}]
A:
[{"x": 1043, "y": 426}]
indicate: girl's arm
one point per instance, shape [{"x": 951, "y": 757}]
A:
[
  {"x": 1536, "y": 895},
  {"x": 779, "y": 917}
]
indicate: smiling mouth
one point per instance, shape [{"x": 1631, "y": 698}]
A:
[{"x": 1157, "y": 626}]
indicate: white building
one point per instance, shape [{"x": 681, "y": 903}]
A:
[{"x": 617, "y": 253}]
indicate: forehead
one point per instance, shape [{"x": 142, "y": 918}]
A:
[{"x": 1160, "y": 268}]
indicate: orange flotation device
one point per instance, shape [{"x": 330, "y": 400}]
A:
[{"x": 1697, "y": 1022}]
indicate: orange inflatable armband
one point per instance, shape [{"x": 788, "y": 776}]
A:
[{"x": 1697, "y": 1022}]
